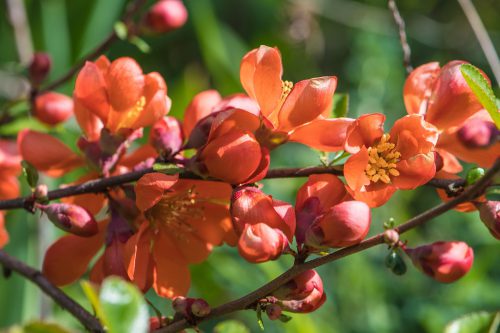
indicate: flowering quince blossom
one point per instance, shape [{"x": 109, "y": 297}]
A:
[
  {"x": 182, "y": 220},
  {"x": 443, "y": 261},
  {"x": 382, "y": 163},
  {"x": 327, "y": 216},
  {"x": 444, "y": 98},
  {"x": 303, "y": 294},
  {"x": 265, "y": 226},
  {"x": 10, "y": 168}
]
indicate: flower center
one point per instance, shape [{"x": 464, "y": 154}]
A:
[
  {"x": 127, "y": 120},
  {"x": 286, "y": 88},
  {"x": 382, "y": 159},
  {"x": 174, "y": 211}
]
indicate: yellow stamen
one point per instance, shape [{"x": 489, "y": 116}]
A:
[
  {"x": 382, "y": 161},
  {"x": 286, "y": 88}
]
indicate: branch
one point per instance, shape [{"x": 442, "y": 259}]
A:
[
  {"x": 84, "y": 317},
  {"x": 402, "y": 35},
  {"x": 248, "y": 300},
  {"x": 104, "y": 184},
  {"x": 132, "y": 9},
  {"x": 482, "y": 36}
]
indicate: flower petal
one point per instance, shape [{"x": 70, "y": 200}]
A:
[
  {"x": 90, "y": 124},
  {"x": 415, "y": 171},
  {"x": 90, "y": 90},
  {"x": 322, "y": 134},
  {"x": 200, "y": 107},
  {"x": 150, "y": 188},
  {"x": 425, "y": 135},
  {"x": 364, "y": 131},
  {"x": 329, "y": 189},
  {"x": 354, "y": 170},
  {"x": 125, "y": 82},
  {"x": 138, "y": 257},
  {"x": 418, "y": 87},
  {"x": 4, "y": 236}
]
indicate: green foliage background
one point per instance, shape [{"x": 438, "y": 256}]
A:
[{"x": 355, "y": 40}]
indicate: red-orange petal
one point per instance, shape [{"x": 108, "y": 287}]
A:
[
  {"x": 200, "y": 107},
  {"x": 90, "y": 124},
  {"x": 157, "y": 102},
  {"x": 46, "y": 153},
  {"x": 93, "y": 202},
  {"x": 418, "y": 87},
  {"x": 260, "y": 75},
  {"x": 364, "y": 131},
  {"x": 138, "y": 257},
  {"x": 329, "y": 189},
  {"x": 354, "y": 170},
  {"x": 194, "y": 249},
  {"x": 374, "y": 198},
  {"x": 4, "y": 236},
  {"x": 150, "y": 188},
  {"x": 307, "y": 100},
  {"x": 415, "y": 171},
  {"x": 125, "y": 83},
  {"x": 322, "y": 134},
  {"x": 9, "y": 185},
  {"x": 425, "y": 134},
  {"x": 171, "y": 273},
  {"x": 90, "y": 90}
]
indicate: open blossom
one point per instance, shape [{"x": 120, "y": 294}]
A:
[
  {"x": 182, "y": 221},
  {"x": 443, "y": 261},
  {"x": 382, "y": 163},
  {"x": 265, "y": 226},
  {"x": 444, "y": 98},
  {"x": 327, "y": 216},
  {"x": 303, "y": 294}
]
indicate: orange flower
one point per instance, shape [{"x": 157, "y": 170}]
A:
[
  {"x": 10, "y": 168},
  {"x": 119, "y": 94},
  {"x": 296, "y": 112},
  {"x": 183, "y": 220},
  {"x": 382, "y": 163}
]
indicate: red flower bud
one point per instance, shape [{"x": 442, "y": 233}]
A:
[
  {"x": 489, "y": 212},
  {"x": 344, "y": 224},
  {"x": 166, "y": 136},
  {"x": 166, "y": 15},
  {"x": 200, "y": 308},
  {"x": 273, "y": 311},
  {"x": 71, "y": 218},
  {"x": 181, "y": 304},
  {"x": 302, "y": 294},
  {"x": 39, "y": 67},
  {"x": 259, "y": 243},
  {"x": 53, "y": 108},
  {"x": 478, "y": 133},
  {"x": 444, "y": 261}
]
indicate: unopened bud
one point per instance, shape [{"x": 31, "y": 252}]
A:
[
  {"x": 166, "y": 136},
  {"x": 273, "y": 311},
  {"x": 478, "y": 133},
  {"x": 71, "y": 218},
  {"x": 473, "y": 175},
  {"x": 181, "y": 304},
  {"x": 391, "y": 237},
  {"x": 39, "y": 67},
  {"x": 166, "y": 15},
  {"x": 200, "y": 308},
  {"x": 53, "y": 108},
  {"x": 41, "y": 192},
  {"x": 489, "y": 212},
  {"x": 438, "y": 161}
]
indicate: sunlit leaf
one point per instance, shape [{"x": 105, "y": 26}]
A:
[
  {"x": 340, "y": 105},
  {"x": 477, "y": 322},
  {"x": 231, "y": 326}
]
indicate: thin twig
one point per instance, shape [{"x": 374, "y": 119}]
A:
[
  {"x": 402, "y": 35},
  {"x": 104, "y": 184},
  {"x": 482, "y": 36},
  {"x": 84, "y": 317},
  {"x": 248, "y": 300}
]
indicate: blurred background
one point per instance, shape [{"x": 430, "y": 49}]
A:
[{"x": 354, "y": 40}]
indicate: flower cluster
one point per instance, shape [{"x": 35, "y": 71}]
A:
[{"x": 151, "y": 232}]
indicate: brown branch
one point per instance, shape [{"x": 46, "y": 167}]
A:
[
  {"x": 104, "y": 184},
  {"x": 127, "y": 17},
  {"x": 402, "y": 35},
  {"x": 90, "y": 322},
  {"x": 250, "y": 299}
]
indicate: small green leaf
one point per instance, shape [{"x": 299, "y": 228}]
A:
[
  {"x": 14, "y": 127},
  {"x": 121, "y": 30},
  {"x": 284, "y": 318},
  {"x": 30, "y": 173},
  {"x": 123, "y": 306},
  {"x": 258, "y": 311},
  {"x": 140, "y": 44},
  {"x": 340, "y": 105},
  {"x": 231, "y": 326},
  {"x": 482, "y": 89},
  {"x": 477, "y": 322},
  {"x": 41, "y": 327},
  {"x": 473, "y": 175},
  {"x": 166, "y": 168}
]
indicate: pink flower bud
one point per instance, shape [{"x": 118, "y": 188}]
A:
[
  {"x": 478, "y": 133},
  {"x": 489, "y": 212},
  {"x": 166, "y": 15},
  {"x": 344, "y": 224},
  {"x": 53, "y": 108},
  {"x": 39, "y": 67},
  {"x": 71, "y": 218},
  {"x": 443, "y": 261},
  {"x": 166, "y": 136},
  {"x": 302, "y": 294},
  {"x": 200, "y": 308},
  {"x": 41, "y": 192},
  {"x": 273, "y": 311},
  {"x": 259, "y": 243},
  {"x": 391, "y": 237}
]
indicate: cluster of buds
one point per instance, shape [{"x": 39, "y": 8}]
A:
[{"x": 190, "y": 308}]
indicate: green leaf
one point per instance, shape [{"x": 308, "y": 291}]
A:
[
  {"x": 41, "y": 327},
  {"x": 123, "y": 307},
  {"x": 166, "y": 168},
  {"x": 340, "y": 105},
  {"x": 14, "y": 127},
  {"x": 30, "y": 173},
  {"x": 140, "y": 44},
  {"x": 231, "y": 326},
  {"x": 121, "y": 30},
  {"x": 284, "y": 318},
  {"x": 477, "y": 322},
  {"x": 258, "y": 311},
  {"x": 482, "y": 89}
]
